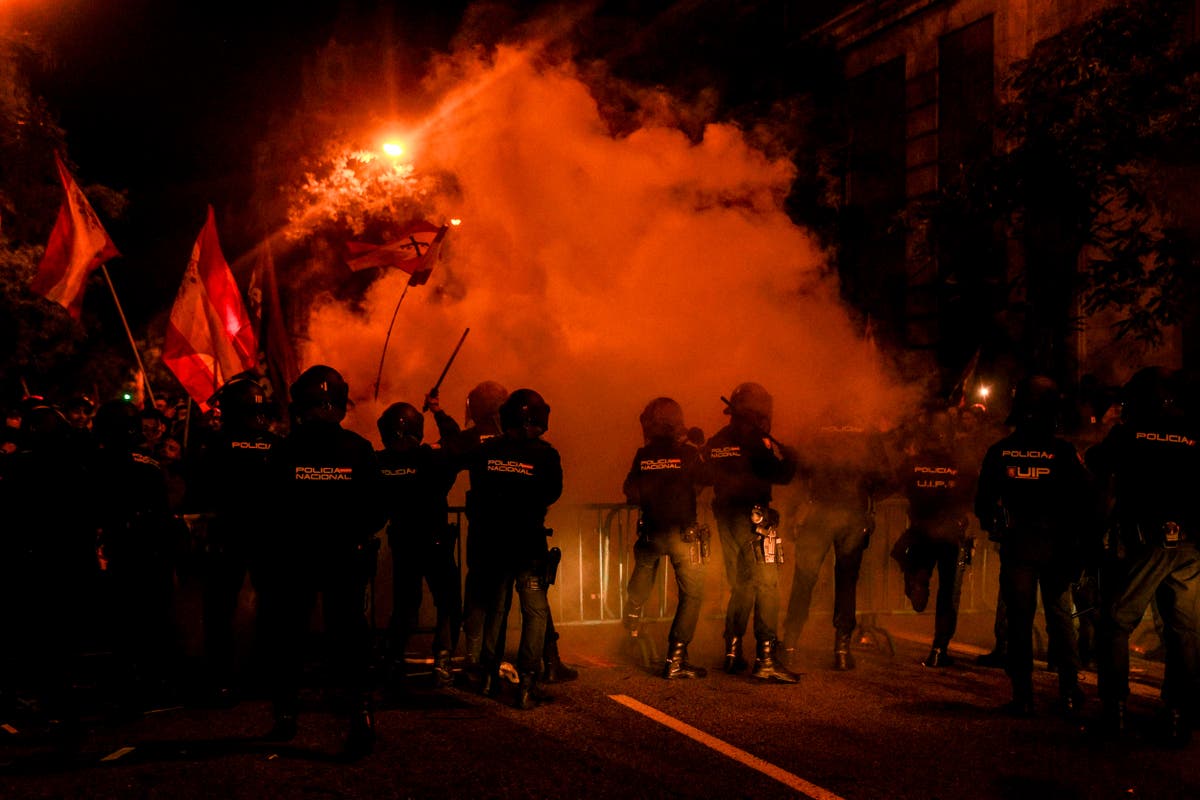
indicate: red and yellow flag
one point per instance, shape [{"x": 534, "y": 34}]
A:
[
  {"x": 78, "y": 244},
  {"x": 209, "y": 336},
  {"x": 415, "y": 250}
]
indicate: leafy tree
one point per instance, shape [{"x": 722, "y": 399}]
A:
[
  {"x": 1100, "y": 122},
  {"x": 41, "y": 347}
]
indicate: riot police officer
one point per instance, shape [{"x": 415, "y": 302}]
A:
[
  {"x": 1153, "y": 461},
  {"x": 227, "y": 481},
  {"x": 846, "y": 470},
  {"x": 746, "y": 461},
  {"x": 137, "y": 544},
  {"x": 514, "y": 480},
  {"x": 48, "y": 567},
  {"x": 1033, "y": 499},
  {"x": 483, "y": 414},
  {"x": 662, "y": 482},
  {"x": 415, "y": 479},
  {"x": 326, "y": 488},
  {"x": 940, "y": 487}
]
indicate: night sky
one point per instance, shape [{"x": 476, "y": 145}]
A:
[{"x": 166, "y": 100}]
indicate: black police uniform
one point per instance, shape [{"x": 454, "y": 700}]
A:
[
  {"x": 1033, "y": 498},
  {"x": 138, "y": 542},
  {"x": 461, "y": 447},
  {"x": 940, "y": 488},
  {"x": 228, "y": 480},
  {"x": 744, "y": 467},
  {"x": 48, "y": 566},
  {"x": 514, "y": 480},
  {"x": 325, "y": 483},
  {"x": 662, "y": 482},
  {"x": 846, "y": 469},
  {"x": 1154, "y": 461},
  {"x": 415, "y": 482}
]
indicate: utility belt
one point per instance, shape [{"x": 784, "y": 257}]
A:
[
  {"x": 545, "y": 571},
  {"x": 698, "y": 537},
  {"x": 768, "y": 544}
]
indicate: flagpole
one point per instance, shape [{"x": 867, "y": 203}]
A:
[
  {"x": 383, "y": 355},
  {"x": 136, "y": 355}
]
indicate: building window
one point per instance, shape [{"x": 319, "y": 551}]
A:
[
  {"x": 873, "y": 268},
  {"x": 966, "y": 97}
]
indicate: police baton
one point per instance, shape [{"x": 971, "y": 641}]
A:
[
  {"x": 767, "y": 436},
  {"x": 434, "y": 391}
]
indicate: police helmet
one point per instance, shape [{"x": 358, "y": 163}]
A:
[
  {"x": 243, "y": 404},
  {"x": 42, "y": 422},
  {"x": 1151, "y": 393},
  {"x": 1035, "y": 403},
  {"x": 484, "y": 401},
  {"x": 753, "y": 403},
  {"x": 320, "y": 393},
  {"x": 117, "y": 424},
  {"x": 525, "y": 410},
  {"x": 662, "y": 419},
  {"x": 401, "y": 421}
]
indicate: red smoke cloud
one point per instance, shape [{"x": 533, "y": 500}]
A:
[{"x": 604, "y": 271}]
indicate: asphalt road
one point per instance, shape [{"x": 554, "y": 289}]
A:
[{"x": 889, "y": 729}]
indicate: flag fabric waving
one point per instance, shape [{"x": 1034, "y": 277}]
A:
[
  {"x": 209, "y": 337},
  {"x": 78, "y": 244},
  {"x": 266, "y": 312},
  {"x": 415, "y": 250}
]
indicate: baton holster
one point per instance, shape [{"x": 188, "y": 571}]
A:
[{"x": 553, "y": 559}]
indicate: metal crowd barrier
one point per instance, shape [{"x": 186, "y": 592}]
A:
[{"x": 597, "y": 546}]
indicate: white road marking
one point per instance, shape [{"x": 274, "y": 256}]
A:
[
  {"x": 115, "y": 754},
  {"x": 726, "y": 749}
]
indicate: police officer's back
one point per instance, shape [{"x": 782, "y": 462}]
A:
[
  {"x": 227, "y": 482},
  {"x": 415, "y": 479},
  {"x": 138, "y": 545},
  {"x": 325, "y": 487},
  {"x": 666, "y": 473},
  {"x": 48, "y": 566},
  {"x": 1153, "y": 462},
  {"x": 514, "y": 480},
  {"x": 1034, "y": 499}
]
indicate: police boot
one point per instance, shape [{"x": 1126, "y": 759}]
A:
[
  {"x": 1071, "y": 699},
  {"x": 529, "y": 696},
  {"x": 1114, "y": 718},
  {"x": 556, "y": 671},
  {"x": 633, "y": 621},
  {"x": 766, "y": 668},
  {"x": 1021, "y": 706},
  {"x": 938, "y": 657},
  {"x": 995, "y": 659},
  {"x": 492, "y": 684},
  {"x": 843, "y": 659},
  {"x": 677, "y": 665},
  {"x": 735, "y": 662},
  {"x": 443, "y": 674},
  {"x": 361, "y": 739}
]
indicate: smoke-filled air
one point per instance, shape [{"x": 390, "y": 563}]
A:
[{"x": 603, "y": 270}]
